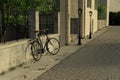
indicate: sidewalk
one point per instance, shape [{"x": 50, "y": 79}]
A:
[{"x": 33, "y": 69}]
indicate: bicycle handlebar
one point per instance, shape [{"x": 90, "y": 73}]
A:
[{"x": 44, "y": 30}]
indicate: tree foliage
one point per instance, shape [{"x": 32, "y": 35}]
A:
[
  {"x": 101, "y": 11},
  {"x": 11, "y": 8},
  {"x": 23, "y": 5},
  {"x": 14, "y": 12}
]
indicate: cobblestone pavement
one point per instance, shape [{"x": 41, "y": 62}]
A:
[{"x": 99, "y": 60}]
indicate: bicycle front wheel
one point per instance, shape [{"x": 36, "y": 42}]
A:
[
  {"x": 36, "y": 53},
  {"x": 53, "y": 46}
]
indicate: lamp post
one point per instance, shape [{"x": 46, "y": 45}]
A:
[
  {"x": 79, "y": 29},
  {"x": 90, "y": 33}
]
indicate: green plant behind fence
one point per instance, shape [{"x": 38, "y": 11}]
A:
[
  {"x": 14, "y": 12},
  {"x": 101, "y": 11}
]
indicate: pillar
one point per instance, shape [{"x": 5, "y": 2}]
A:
[
  {"x": 36, "y": 20},
  {"x": 33, "y": 22},
  {"x": 81, "y": 4},
  {"x": 67, "y": 16},
  {"x": 107, "y": 21},
  {"x": 62, "y": 22}
]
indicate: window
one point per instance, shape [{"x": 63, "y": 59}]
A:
[
  {"x": 49, "y": 21},
  {"x": 74, "y": 26},
  {"x": 89, "y": 3}
]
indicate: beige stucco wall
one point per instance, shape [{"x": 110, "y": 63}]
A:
[
  {"x": 87, "y": 21},
  {"x": 101, "y": 24},
  {"x": 68, "y": 10},
  {"x": 87, "y": 18},
  {"x": 74, "y": 9},
  {"x": 62, "y": 22},
  {"x": 37, "y": 20},
  {"x": 95, "y": 21},
  {"x": 13, "y": 54},
  {"x": 73, "y": 15},
  {"x": 108, "y": 9}
]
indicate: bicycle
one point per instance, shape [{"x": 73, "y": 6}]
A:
[{"x": 51, "y": 45}]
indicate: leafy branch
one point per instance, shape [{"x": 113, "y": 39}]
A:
[
  {"x": 15, "y": 11},
  {"x": 101, "y": 11}
]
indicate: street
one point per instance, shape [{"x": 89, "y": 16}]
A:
[{"x": 99, "y": 60}]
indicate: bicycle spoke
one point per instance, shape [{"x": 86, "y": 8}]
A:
[{"x": 53, "y": 46}]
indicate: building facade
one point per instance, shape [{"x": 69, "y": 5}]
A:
[
  {"x": 87, "y": 20},
  {"x": 70, "y": 10}
]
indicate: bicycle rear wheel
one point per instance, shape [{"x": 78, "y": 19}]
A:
[
  {"x": 36, "y": 50},
  {"x": 53, "y": 46}
]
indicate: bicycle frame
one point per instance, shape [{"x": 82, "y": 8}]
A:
[
  {"x": 40, "y": 40},
  {"x": 41, "y": 45}
]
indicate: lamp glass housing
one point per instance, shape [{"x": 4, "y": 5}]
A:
[
  {"x": 90, "y": 13},
  {"x": 79, "y": 11}
]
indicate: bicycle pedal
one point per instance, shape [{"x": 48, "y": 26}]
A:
[{"x": 41, "y": 51}]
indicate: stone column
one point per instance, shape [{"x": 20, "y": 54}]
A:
[
  {"x": 58, "y": 22},
  {"x": 81, "y": 4},
  {"x": 67, "y": 17},
  {"x": 62, "y": 22},
  {"x": 55, "y": 21},
  {"x": 36, "y": 20},
  {"x": 107, "y": 21},
  {"x": 33, "y": 22}
]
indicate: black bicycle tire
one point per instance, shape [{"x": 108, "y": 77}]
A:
[
  {"x": 47, "y": 44},
  {"x": 38, "y": 55}
]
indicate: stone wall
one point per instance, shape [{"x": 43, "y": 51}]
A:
[
  {"x": 14, "y": 53},
  {"x": 101, "y": 24}
]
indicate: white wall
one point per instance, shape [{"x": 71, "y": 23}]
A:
[
  {"x": 12, "y": 54},
  {"x": 87, "y": 19}
]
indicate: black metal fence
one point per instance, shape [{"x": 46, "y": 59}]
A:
[
  {"x": 0, "y": 23},
  {"x": 16, "y": 32},
  {"x": 20, "y": 31},
  {"x": 74, "y": 25},
  {"x": 49, "y": 21},
  {"x": 12, "y": 32}
]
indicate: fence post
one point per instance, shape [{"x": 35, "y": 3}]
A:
[
  {"x": 68, "y": 28},
  {"x": 31, "y": 24},
  {"x": 36, "y": 20}
]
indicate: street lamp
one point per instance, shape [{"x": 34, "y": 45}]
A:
[
  {"x": 79, "y": 29},
  {"x": 90, "y": 33}
]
